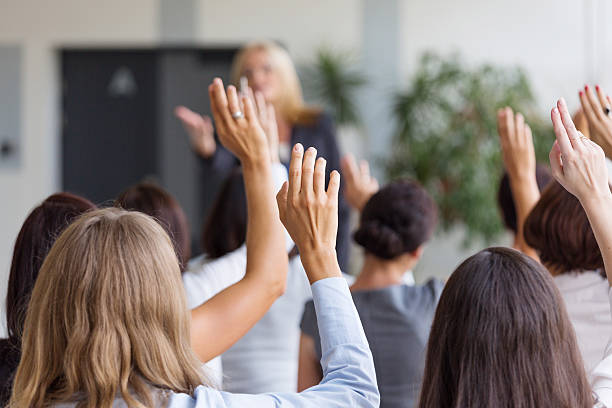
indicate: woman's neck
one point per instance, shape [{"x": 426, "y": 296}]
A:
[{"x": 379, "y": 273}]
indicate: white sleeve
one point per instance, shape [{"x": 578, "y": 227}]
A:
[
  {"x": 205, "y": 280},
  {"x": 602, "y": 374}
]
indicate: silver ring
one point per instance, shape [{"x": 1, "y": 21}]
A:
[{"x": 238, "y": 115}]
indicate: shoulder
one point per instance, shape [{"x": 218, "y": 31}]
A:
[{"x": 319, "y": 122}]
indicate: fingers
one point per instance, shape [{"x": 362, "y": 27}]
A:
[
  {"x": 601, "y": 96},
  {"x": 220, "y": 107},
  {"x": 586, "y": 107},
  {"x": 349, "y": 167},
  {"x": 319, "y": 177},
  {"x": 233, "y": 102},
  {"x": 562, "y": 137},
  {"x": 595, "y": 105},
  {"x": 295, "y": 172},
  {"x": 207, "y": 122},
  {"x": 333, "y": 187},
  {"x": 556, "y": 164},
  {"x": 568, "y": 123},
  {"x": 519, "y": 126},
  {"x": 249, "y": 111},
  {"x": 281, "y": 200},
  {"x": 508, "y": 118},
  {"x": 364, "y": 169},
  {"x": 261, "y": 107},
  {"x": 308, "y": 171}
]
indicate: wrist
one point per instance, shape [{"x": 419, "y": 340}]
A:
[
  {"x": 597, "y": 201},
  {"x": 320, "y": 263},
  {"x": 255, "y": 162}
]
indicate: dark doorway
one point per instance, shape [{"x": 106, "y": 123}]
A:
[{"x": 119, "y": 127}]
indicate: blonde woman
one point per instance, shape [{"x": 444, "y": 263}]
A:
[
  {"x": 274, "y": 80},
  {"x": 108, "y": 323}
]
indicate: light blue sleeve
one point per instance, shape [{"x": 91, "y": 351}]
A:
[{"x": 349, "y": 379}]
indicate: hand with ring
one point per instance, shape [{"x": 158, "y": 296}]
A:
[
  {"x": 237, "y": 123},
  {"x": 597, "y": 109}
]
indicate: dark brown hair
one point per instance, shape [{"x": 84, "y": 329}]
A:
[
  {"x": 225, "y": 228},
  {"x": 501, "y": 337},
  {"x": 38, "y": 233},
  {"x": 506, "y": 200},
  {"x": 397, "y": 219},
  {"x": 153, "y": 200},
  {"x": 558, "y": 228}
]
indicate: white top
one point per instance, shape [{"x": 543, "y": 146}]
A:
[
  {"x": 587, "y": 303},
  {"x": 266, "y": 358},
  {"x": 204, "y": 278}
]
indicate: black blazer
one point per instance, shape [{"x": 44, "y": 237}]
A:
[
  {"x": 322, "y": 136},
  {"x": 9, "y": 360}
]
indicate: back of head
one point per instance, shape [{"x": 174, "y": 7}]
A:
[
  {"x": 396, "y": 220},
  {"x": 108, "y": 314},
  {"x": 226, "y": 225},
  {"x": 558, "y": 228},
  {"x": 505, "y": 199},
  {"x": 501, "y": 337},
  {"x": 159, "y": 204},
  {"x": 38, "y": 233}
]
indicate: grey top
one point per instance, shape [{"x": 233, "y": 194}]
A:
[{"x": 396, "y": 321}]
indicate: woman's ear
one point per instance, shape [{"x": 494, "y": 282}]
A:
[{"x": 418, "y": 253}]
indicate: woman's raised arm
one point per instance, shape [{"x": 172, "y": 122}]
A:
[{"x": 225, "y": 318}]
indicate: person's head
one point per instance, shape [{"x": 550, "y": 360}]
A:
[
  {"x": 108, "y": 315},
  {"x": 396, "y": 221},
  {"x": 269, "y": 70},
  {"x": 501, "y": 337},
  {"x": 225, "y": 228},
  {"x": 38, "y": 233},
  {"x": 159, "y": 204},
  {"x": 506, "y": 201},
  {"x": 559, "y": 230}
]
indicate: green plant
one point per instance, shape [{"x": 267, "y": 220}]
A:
[
  {"x": 447, "y": 137},
  {"x": 333, "y": 81}
]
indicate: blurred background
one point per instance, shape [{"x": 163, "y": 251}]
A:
[{"x": 87, "y": 91}]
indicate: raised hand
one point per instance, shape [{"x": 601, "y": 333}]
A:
[
  {"x": 596, "y": 107},
  {"x": 310, "y": 214},
  {"x": 240, "y": 132},
  {"x": 519, "y": 159},
  {"x": 516, "y": 145},
  {"x": 200, "y": 131},
  {"x": 267, "y": 118},
  {"x": 359, "y": 185},
  {"x": 577, "y": 163}
]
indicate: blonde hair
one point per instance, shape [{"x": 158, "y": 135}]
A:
[
  {"x": 107, "y": 316},
  {"x": 290, "y": 103}
]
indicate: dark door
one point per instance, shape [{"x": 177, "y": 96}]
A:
[{"x": 109, "y": 130}]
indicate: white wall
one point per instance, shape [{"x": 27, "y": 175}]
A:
[
  {"x": 40, "y": 28},
  {"x": 561, "y": 43}
]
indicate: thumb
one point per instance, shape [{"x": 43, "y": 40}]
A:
[{"x": 281, "y": 200}]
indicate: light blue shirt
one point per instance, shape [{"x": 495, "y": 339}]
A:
[{"x": 349, "y": 379}]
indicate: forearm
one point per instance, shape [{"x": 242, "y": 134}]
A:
[
  {"x": 598, "y": 209},
  {"x": 526, "y": 194},
  {"x": 265, "y": 238}
]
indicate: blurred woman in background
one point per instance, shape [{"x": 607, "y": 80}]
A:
[
  {"x": 272, "y": 76},
  {"x": 36, "y": 237},
  {"x": 395, "y": 224}
]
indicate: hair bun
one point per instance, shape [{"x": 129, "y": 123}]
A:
[{"x": 379, "y": 239}]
